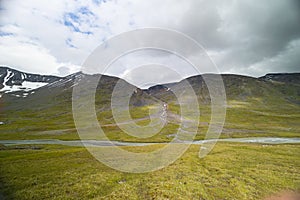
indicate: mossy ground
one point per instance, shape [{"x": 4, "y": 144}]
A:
[
  {"x": 230, "y": 171},
  {"x": 243, "y": 119}
]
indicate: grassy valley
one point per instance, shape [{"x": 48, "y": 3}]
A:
[{"x": 256, "y": 107}]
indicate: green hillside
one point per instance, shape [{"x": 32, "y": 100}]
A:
[{"x": 255, "y": 107}]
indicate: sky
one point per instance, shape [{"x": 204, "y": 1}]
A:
[{"x": 249, "y": 37}]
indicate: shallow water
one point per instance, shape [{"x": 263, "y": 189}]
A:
[{"x": 95, "y": 143}]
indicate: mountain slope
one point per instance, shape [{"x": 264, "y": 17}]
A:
[
  {"x": 291, "y": 78},
  {"x": 255, "y": 107},
  {"x": 264, "y": 90},
  {"x": 49, "y": 108},
  {"x": 13, "y": 80}
]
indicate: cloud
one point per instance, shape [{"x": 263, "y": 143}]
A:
[
  {"x": 240, "y": 34},
  {"x": 247, "y": 37},
  {"x": 26, "y": 55},
  {"x": 147, "y": 67},
  {"x": 67, "y": 69},
  {"x": 288, "y": 58}
]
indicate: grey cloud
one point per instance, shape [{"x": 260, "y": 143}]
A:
[
  {"x": 249, "y": 37},
  {"x": 202, "y": 22},
  {"x": 63, "y": 70},
  {"x": 245, "y": 33},
  {"x": 151, "y": 74}
]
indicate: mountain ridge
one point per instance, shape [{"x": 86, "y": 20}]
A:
[
  {"x": 20, "y": 77},
  {"x": 249, "y": 101},
  {"x": 12, "y": 80}
]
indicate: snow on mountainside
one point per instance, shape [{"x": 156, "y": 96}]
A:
[
  {"x": 15, "y": 81},
  {"x": 293, "y": 78}
]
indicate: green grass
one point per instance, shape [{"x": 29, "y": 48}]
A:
[
  {"x": 230, "y": 171},
  {"x": 243, "y": 119},
  {"x": 252, "y": 110}
]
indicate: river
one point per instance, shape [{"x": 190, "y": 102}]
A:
[{"x": 95, "y": 143}]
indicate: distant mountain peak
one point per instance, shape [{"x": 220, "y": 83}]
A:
[
  {"x": 12, "y": 80},
  {"x": 14, "y": 83},
  {"x": 293, "y": 78}
]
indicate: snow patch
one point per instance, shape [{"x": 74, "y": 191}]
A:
[{"x": 26, "y": 86}]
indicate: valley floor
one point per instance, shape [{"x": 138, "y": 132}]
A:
[{"x": 230, "y": 171}]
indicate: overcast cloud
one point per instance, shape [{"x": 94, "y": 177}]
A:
[{"x": 248, "y": 37}]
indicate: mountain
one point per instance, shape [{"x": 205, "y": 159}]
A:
[
  {"x": 24, "y": 90},
  {"x": 264, "y": 106},
  {"x": 292, "y": 78},
  {"x": 238, "y": 87},
  {"x": 283, "y": 88},
  {"x": 12, "y": 80},
  {"x": 46, "y": 89},
  {"x": 53, "y": 101}
]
